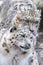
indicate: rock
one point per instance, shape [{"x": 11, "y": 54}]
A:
[{"x": 39, "y": 3}]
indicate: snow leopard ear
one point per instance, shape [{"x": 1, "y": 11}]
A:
[{"x": 38, "y": 3}]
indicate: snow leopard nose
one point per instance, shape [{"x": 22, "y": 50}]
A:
[{"x": 26, "y": 47}]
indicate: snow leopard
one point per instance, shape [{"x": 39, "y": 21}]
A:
[{"x": 19, "y": 23}]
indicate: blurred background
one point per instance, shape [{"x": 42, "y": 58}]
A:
[{"x": 39, "y": 45}]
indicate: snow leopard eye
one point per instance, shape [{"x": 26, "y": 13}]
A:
[
  {"x": 12, "y": 29},
  {"x": 26, "y": 46},
  {"x": 23, "y": 35}
]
